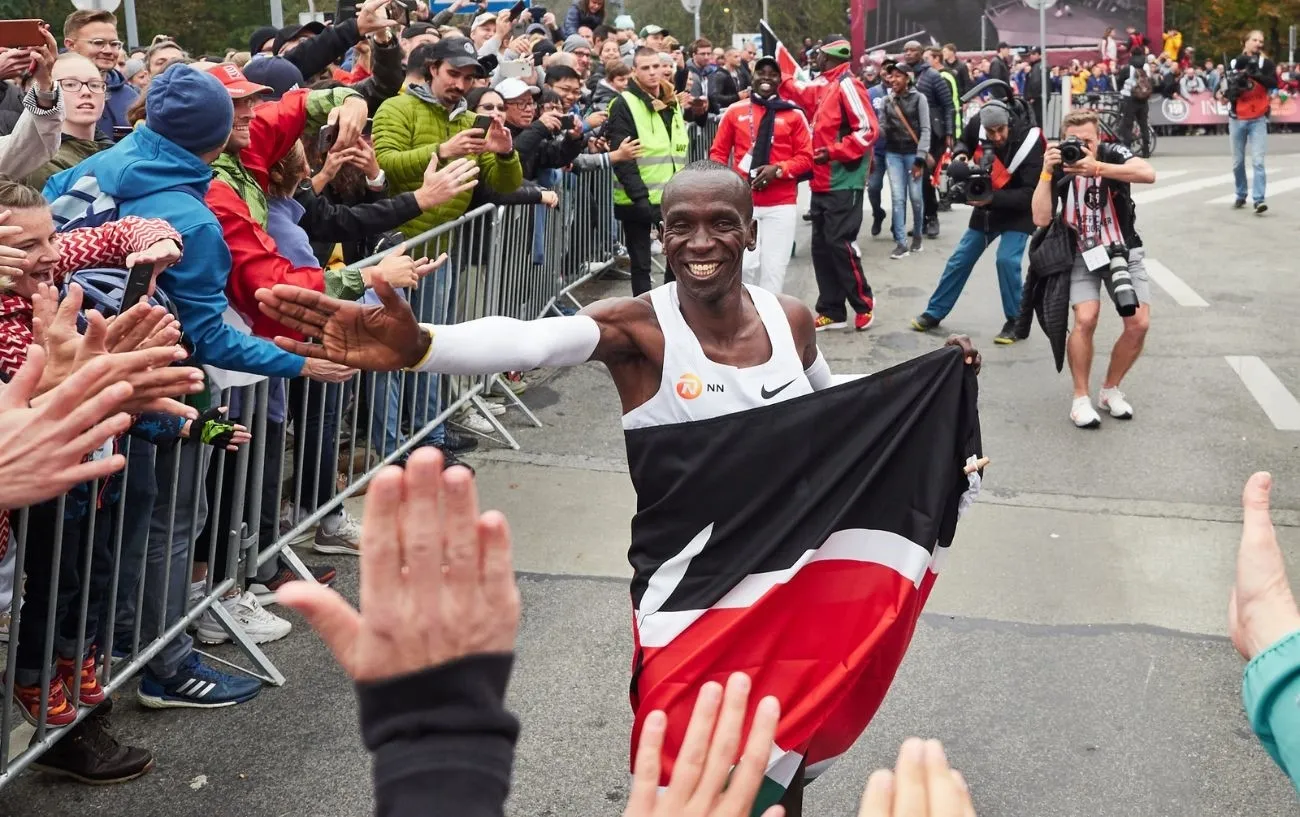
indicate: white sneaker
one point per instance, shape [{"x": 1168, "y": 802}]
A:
[
  {"x": 259, "y": 624},
  {"x": 345, "y": 539},
  {"x": 290, "y": 519},
  {"x": 475, "y": 422},
  {"x": 1083, "y": 414},
  {"x": 656, "y": 248},
  {"x": 1112, "y": 400}
]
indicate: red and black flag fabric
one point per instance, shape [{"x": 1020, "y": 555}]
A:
[
  {"x": 797, "y": 542},
  {"x": 773, "y": 47}
]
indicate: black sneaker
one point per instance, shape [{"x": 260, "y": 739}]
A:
[
  {"x": 900, "y": 251},
  {"x": 90, "y": 754},
  {"x": 924, "y": 323},
  {"x": 450, "y": 459},
  {"x": 877, "y": 221},
  {"x": 455, "y": 441},
  {"x": 932, "y": 228},
  {"x": 1008, "y": 334},
  {"x": 916, "y": 243},
  {"x": 1238, "y": 204},
  {"x": 1260, "y": 208}
]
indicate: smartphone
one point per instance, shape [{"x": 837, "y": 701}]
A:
[
  {"x": 483, "y": 123},
  {"x": 328, "y": 136},
  {"x": 120, "y": 132},
  {"x": 137, "y": 285},
  {"x": 21, "y": 34},
  {"x": 566, "y": 122},
  {"x": 514, "y": 68},
  {"x": 370, "y": 124},
  {"x": 517, "y": 9}
]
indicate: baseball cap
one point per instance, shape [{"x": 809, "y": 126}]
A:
[
  {"x": 770, "y": 62},
  {"x": 575, "y": 41},
  {"x": 542, "y": 47},
  {"x": 537, "y": 28},
  {"x": 485, "y": 17},
  {"x": 238, "y": 85},
  {"x": 513, "y": 88},
  {"x": 652, "y": 29},
  {"x": 278, "y": 73},
  {"x": 421, "y": 55},
  {"x": 623, "y": 22},
  {"x": 293, "y": 32},
  {"x": 836, "y": 46},
  {"x": 417, "y": 28},
  {"x": 459, "y": 52},
  {"x": 261, "y": 37},
  {"x": 894, "y": 66}
]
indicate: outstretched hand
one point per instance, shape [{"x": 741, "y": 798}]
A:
[
  {"x": 1262, "y": 608},
  {"x": 380, "y": 338},
  {"x": 968, "y": 350},
  {"x": 436, "y": 577},
  {"x": 921, "y": 785}
]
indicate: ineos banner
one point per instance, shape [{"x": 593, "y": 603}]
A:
[{"x": 1202, "y": 109}]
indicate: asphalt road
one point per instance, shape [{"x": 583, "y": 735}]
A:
[{"x": 1073, "y": 656}]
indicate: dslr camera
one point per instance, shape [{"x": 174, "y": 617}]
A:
[
  {"x": 1073, "y": 150},
  {"x": 1121, "y": 282},
  {"x": 972, "y": 182},
  {"x": 1237, "y": 83}
]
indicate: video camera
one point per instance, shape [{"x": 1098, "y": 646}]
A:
[
  {"x": 972, "y": 182},
  {"x": 1238, "y": 82}
]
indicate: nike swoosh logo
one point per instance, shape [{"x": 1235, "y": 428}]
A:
[{"x": 768, "y": 395}]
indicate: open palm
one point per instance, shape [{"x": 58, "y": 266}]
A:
[{"x": 375, "y": 338}]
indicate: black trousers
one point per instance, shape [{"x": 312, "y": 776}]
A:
[
  {"x": 929, "y": 195},
  {"x": 1132, "y": 110},
  {"x": 836, "y": 221}
]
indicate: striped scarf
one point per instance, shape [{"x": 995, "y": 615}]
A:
[{"x": 15, "y": 337}]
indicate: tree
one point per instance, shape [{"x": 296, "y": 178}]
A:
[{"x": 1218, "y": 27}]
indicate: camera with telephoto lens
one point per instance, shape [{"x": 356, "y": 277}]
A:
[
  {"x": 1121, "y": 282},
  {"x": 1073, "y": 150},
  {"x": 972, "y": 182},
  {"x": 1237, "y": 83}
]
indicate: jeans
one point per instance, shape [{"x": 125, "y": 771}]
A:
[
  {"x": 1254, "y": 131},
  {"x": 902, "y": 188},
  {"x": 141, "y": 493},
  {"x": 876, "y": 185},
  {"x": 765, "y": 265},
  {"x": 1011, "y": 251}
]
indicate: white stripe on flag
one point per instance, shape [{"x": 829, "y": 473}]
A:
[
  {"x": 657, "y": 628},
  {"x": 670, "y": 574}
]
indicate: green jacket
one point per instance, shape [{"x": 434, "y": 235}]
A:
[
  {"x": 70, "y": 154},
  {"x": 408, "y": 129},
  {"x": 1270, "y": 692}
]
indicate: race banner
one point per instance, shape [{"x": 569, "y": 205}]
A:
[{"x": 1203, "y": 110}]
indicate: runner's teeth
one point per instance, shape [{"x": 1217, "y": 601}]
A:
[{"x": 703, "y": 270}]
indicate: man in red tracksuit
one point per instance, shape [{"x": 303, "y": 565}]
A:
[
  {"x": 766, "y": 139},
  {"x": 844, "y": 131}
]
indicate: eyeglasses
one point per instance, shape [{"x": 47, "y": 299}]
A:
[
  {"x": 74, "y": 86},
  {"x": 522, "y": 104},
  {"x": 101, "y": 43},
  {"x": 491, "y": 106}
]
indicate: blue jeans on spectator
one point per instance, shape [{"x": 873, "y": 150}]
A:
[
  {"x": 876, "y": 185},
  {"x": 1254, "y": 131},
  {"x": 1011, "y": 251},
  {"x": 904, "y": 188},
  {"x": 141, "y": 491}
]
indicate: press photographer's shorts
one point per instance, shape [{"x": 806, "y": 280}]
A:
[{"x": 1086, "y": 286}]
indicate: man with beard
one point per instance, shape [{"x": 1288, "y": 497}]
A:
[
  {"x": 707, "y": 323},
  {"x": 766, "y": 141}
]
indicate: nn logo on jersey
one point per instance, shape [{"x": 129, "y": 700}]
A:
[{"x": 690, "y": 387}]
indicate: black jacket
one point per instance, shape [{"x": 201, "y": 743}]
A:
[
  {"x": 998, "y": 69},
  {"x": 621, "y": 126},
  {"x": 962, "y": 73},
  {"x": 356, "y": 225},
  {"x": 1012, "y": 206},
  {"x": 1034, "y": 82},
  {"x": 386, "y": 75},
  {"x": 314, "y": 55},
  {"x": 442, "y": 740},
  {"x": 939, "y": 94},
  {"x": 723, "y": 91},
  {"x": 539, "y": 149}
]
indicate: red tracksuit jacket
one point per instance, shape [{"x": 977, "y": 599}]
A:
[
  {"x": 843, "y": 122},
  {"x": 791, "y": 148}
]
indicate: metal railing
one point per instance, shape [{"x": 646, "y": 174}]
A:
[{"x": 117, "y": 572}]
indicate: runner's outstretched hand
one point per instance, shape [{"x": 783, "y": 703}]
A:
[
  {"x": 374, "y": 338},
  {"x": 921, "y": 785},
  {"x": 703, "y": 783},
  {"x": 1262, "y": 609},
  {"x": 436, "y": 577}
]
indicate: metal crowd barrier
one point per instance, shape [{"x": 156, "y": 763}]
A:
[{"x": 108, "y": 566}]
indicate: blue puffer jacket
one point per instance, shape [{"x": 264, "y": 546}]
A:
[
  {"x": 149, "y": 176},
  {"x": 119, "y": 97}
]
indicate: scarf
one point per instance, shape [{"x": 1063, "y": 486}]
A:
[
  {"x": 762, "y": 149},
  {"x": 15, "y": 337}
]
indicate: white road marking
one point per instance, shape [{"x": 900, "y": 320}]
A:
[
  {"x": 1273, "y": 189},
  {"x": 1163, "y": 176},
  {"x": 1161, "y": 193},
  {"x": 1177, "y": 288},
  {"x": 1274, "y": 398}
]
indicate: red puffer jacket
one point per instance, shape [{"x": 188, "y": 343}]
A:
[{"x": 791, "y": 148}]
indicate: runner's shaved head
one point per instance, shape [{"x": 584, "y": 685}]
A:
[{"x": 707, "y": 180}]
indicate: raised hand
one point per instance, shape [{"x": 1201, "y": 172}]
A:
[
  {"x": 443, "y": 185},
  {"x": 436, "y": 577},
  {"x": 921, "y": 785},
  {"x": 1262, "y": 608},
  {"x": 372, "y": 338},
  {"x": 703, "y": 782}
]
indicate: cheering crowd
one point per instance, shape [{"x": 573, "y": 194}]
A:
[{"x": 218, "y": 178}]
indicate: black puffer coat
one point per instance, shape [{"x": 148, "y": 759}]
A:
[{"x": 1047, "y": 287}]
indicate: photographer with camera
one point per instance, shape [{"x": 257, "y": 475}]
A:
[
  {"x": 995, "y": 166},
  {"x": 1248, "y": 82},
  {"x": 1090, "y": 180}
]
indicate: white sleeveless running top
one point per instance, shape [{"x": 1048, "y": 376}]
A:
[{"x": 693, "y": 387}]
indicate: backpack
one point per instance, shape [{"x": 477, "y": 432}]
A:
[{"x": 1142, "y": 87}]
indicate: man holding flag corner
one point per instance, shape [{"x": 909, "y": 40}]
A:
[{"x": 710, "y": 372}]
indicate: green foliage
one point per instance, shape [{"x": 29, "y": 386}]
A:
[
  {"x": 1218, "y": 27},
  {"x": 791, "y": 21}
]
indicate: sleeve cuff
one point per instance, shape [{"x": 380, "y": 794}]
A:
[
  {"x": 31, "y": 104},
  {"x": 427, "y": 327}
]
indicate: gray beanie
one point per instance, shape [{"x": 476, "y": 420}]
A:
[
  {"x": 132, "y": 68},
  {"x": 994, "y": 116}
]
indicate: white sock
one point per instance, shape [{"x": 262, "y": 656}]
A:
[{"x": 332, "y": 523}]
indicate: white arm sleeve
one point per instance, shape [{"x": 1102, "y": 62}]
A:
[
  {"x": 820, "y": 377},
  {"x": 490, "y": 345}
]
